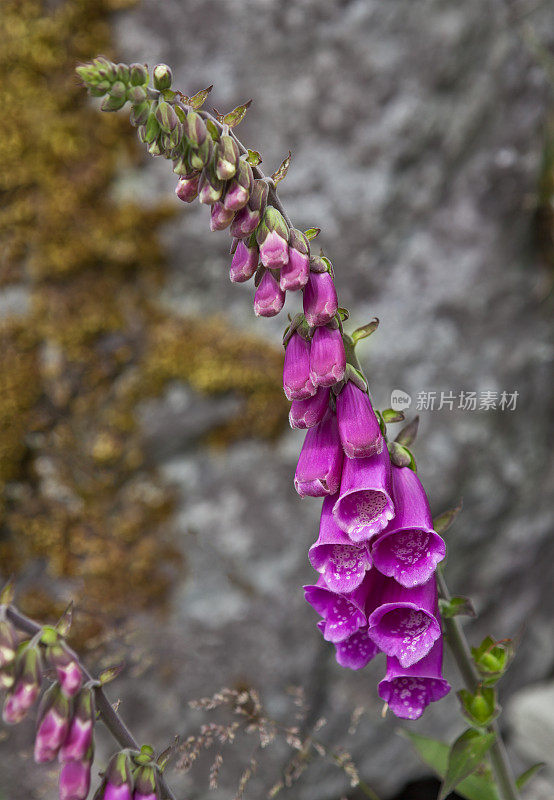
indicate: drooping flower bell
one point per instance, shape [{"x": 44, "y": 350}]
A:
[
  {"x": 307, "y": 413},
  {"x": 406, "y": 624},
  {"x": 187, "y": 188},
  {"x": 75, "y": 778},
  {"x": 52, "y": 724},
  {"x": 239, "y": 188},
  {"x": 341, "y": 563},
  {"x": 297, "y": 384},
  {"x": 320, "y": 299},
  {"x": 248, "y": 217},
  {"x": 294, "y": 274},
  {"x": 245, "y": 261},
  {"x": 68, "y": 671},
  {"x": 359, "y": 429},
  {"x": 269, "y": 298},
  {"x": 364, "y": 506},
  {"x": 79, "y": 736},
  {"x": 343, "y": 614},
  {"x": 26, "y": 685},
  {"x": 409, "y": 690},
  {"x": 118, "y": 778},
  {"x": 272, "y": 237},
  {"x": 220, "y": 217},
  {"x": 319, "y": 467},
  {"x": 357, "y": 651},
  {"x": 408, "y": 550},
  {"x": 327, "y": 357}
]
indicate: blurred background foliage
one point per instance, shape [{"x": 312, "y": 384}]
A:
[{"x": 84, "y": 512}]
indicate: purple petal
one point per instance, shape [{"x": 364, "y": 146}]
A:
[
  {"x": 318, "y": 472},
  {"x": 320, "y": 299},
  {"x": 327, "y": 357},
  {"x": 409, "y": 691},
  {"x": 359, "y": 429},
  {"x": 74, "y": 780},
  {"x": 269, "y": 299},
  {"x": 274, "y": 251},
  {"x": 307, "y": 413},
  {"x": 365, "y": 506},
  {"x": 294, "y": 274},
  {"x": 244, "y": 263},
  {"x": 296, "y": 371},
  {"x": 356, "y": 651}
]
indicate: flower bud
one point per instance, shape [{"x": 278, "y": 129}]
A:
[
  {"x": 195, "y": 129},
  {"x": 146, "y": 784},
  {"x": 187, "y": 188},
  {"x": 26, "y": 687},
  {"x": 272, "y": 237},
  {"x": 140, "y": 113},
  {"x": 269, "y": 298},
  {"x": 75, "y": 780},
  {"x": 296, "y": 370},
  {"x": 226, "y": 158},
  {"x": 294, "y": 274},
  {"x": 319, "y": 467},
  {"x": 118, "y": 778},
  {"x": 320, "y": 299},
  {"x": 123, "y": 73},
  {"x": 220, "y": 218},
  {"x": 200, "y": 156},
  {"x": 53, "y": 724},
  {"x": 138, "y": 75},
  {"x": 210, "y": 187},
  {"x": 114, "y": 101},
  {"x": 358, "y": 426},
  {"x": 69, "y": 673},
  {"x": 238, "y": 191},
  {"x": 245, "y": 261},
  {"x": 8, "y": 643},
  {"x": 248, "y": 218},
  {"x": 327, "y": 358},
  {"x": 7, "y": 677},
  {"x": 79, "y": 736},
  {"x": 166, "y": 116},
  {"x": 307, "y": 413},
  {"x": 162, "y": 77}
]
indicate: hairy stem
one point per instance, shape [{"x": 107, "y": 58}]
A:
[
  {"x": 107, "y": 713},
  {"x": 462, "y": 656}
]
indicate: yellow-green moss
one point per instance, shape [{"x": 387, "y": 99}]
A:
[{"x": 79, "y": 492}]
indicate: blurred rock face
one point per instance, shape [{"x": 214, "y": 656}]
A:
[{"x": 417, "y": 133}]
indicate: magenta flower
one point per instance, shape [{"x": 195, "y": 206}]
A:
[
  {"x": 408, "y": 550},
  {"x": 146, "y": 784},
  {"x": 70, "y": 678},
  {"x": 26, "y": 687},
  {"x": 220, "y": 217},
  {"x": 239, "y": 188},
  {"x": 406, "y": 623},
  {"x": 118, "y": 778},
  {"x": 343, "y": 614},
  {"x": 53, "y": 725},
  {"x": 296, "y": 371},
  {"x": 357, "y": 651},
  {"x": 248, "y": 218},
  {"x": 320, "y": 299},
  {"x": 294, "y": 274},
  {"x": 327, "y": 358},
  {"x": 75, "y": 780},
  {"x": 80, "y": 733},
  {"x": 244, "y": 263},
  {"x": 365, "y": 503},
  {"x": 123, "y": 792},
  {"x": 408, "y": 691},
  {"x": 269, "y": 299},
  {"x": 320, "y": 464},
  {"x": 343, "y": 565},
  {"x": 359, "y": 429},
  {"x": 307, "y": 413},
  {"x": 187, "y": 188},
  {"x": 273, "y": 237}
]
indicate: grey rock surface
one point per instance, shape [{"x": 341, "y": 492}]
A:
[{"x": 417, "y": 132}]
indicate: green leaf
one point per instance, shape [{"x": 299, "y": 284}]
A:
[
  {"x": 442, "y": 523},
  {"x": 63, "y": 625},
  {"x": 467, "y": 752},
  {"x": 283, "y": 169},
  {"x": 407, "y": 435},
  {"x": 365, "y": 331},
  {"x": 528, "y": 774},
  {"x": 234, "y": 117},
  {"x": 110, "y": 674},
  {"x": 198, "y": 100},
  {"x": 311, "y": 233},
  {"x": 435, "y": 754},
  {"x": 390, "y": 415},
  {"x": 253, "y": 158},
  {"x": 456, "y": 607}
]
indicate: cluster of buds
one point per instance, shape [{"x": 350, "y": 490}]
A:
[
  {"x": 131, "y": 776},
  {"x": 377, "y": 550}
]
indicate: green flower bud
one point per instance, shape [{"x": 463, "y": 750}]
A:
[
  {"x": 118, "y": 90},
  {"x": 166, "y": 116},
  {"x": 87, "y": 73},
  {"x": 139, "y": 113},
  {"x": 100, "y": 89},
  {"x": 138, "y": 75},
  {"x": 201, "y": 155},
  {"x": 162, "y": 77},
  {"x": 226, "y": 157},
  {"x": 8, "y": 643},
  {"x": 136, "y": 94},
  {"x": 123, "y": 73},
  {"x": 155, "y": 148},
  {"x": 152, "y": 129},
  {"x": 112, "y": 103}
]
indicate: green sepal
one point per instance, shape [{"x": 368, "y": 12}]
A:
[
  {"x": 140, "y": 113},
  {"x": 63, "y": 625},
  {"x": 234, "y": 117},
  {"x": 312, "y": 233},
  {"x": 390, "y": 415},
  {"x": 456, "y": 607},
  {"x": 49, "y": 635},
  {"x": 152, "y": 129},
  {"x": 112, "y": 103},
  {"x": 479, "y": 708},
  {"x": 493, "y": 658},
  {"x": 401, "y": 456},
  {"x": 118, "y": 771},
  {"x": 253, "y": 158},
  {"x": 162, "y": 77},
  {"x": 200, "y": 156},
  {"x": 282, "y": 170},
  {"x": 466, "y": 755},
  {"x": 198, "y": 99},
  {"x": 110, "y": 673}
]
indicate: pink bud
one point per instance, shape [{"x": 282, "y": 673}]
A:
[
  {"x": 320, "y": 299},
  {"x": 294, "y": 274},
  {"x": 319, "y": 467},
  {"x": 274, "y": 250},
  {"x": 244, "y": 263},
  {"x": 245, "y": 222},
  {"x": 19, "y": 702},
  {"x": 123, "y": 792},
  {"x": 78, "y": 740},
  {"x": 187, "y": 189},
  {"x": 70, "y": 678},
  {"x": 52, "y": 730},
  {"x": 359, "y": 429},
  {"x": 75, "y": 780},
  {"x": 327, "y": 357},
  {"x": 220, "y": 218},
  {"x": 269, "y": 298},
  {"x": 296, "y": 370}
]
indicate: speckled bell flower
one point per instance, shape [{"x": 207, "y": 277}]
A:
[
  {"x": 320, "y": 299},
  {"x": 294, "y": 274},
  {"x": 408, "y": 550},
  {"x": 244, "y": 263},
  {"x": 269, "y": 298},
  {"x": 343, "y": 614},
  {"x": 408, "y": 691},
  {"x": 297, "y": 384},
  {"x": 319, "y": 467},
  {"x": 357, "y": 651},
  {"x": 327, "y": 357},
  {"x": 364, "y": 506},
  {"x": 406, "y": 624},
  {"x": 307, "y": 413},
  {"x": 359, "y": 429},
  {"x": 342, "y": 565}
]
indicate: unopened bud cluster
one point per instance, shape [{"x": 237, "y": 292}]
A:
[
  {"x": 377, "y": 551},
  {"x": 131, "y": 775}
]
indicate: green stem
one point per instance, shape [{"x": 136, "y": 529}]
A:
[{"x": 462, "y": 656}]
